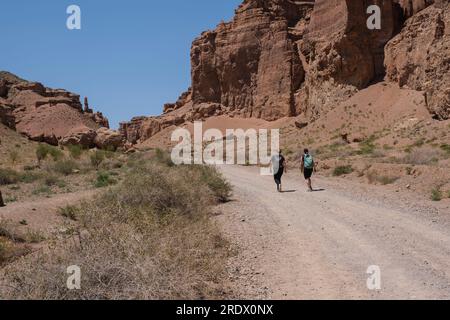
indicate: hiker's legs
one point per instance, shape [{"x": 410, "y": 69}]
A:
[
  {"x": 308, "y": 174},
  {"x": 278, "y": 180}
]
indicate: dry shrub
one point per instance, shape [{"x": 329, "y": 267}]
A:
[
  {"x": 374, "y": 178},
  {"x": 422, "y": 156},
  {"x": 150, "y": 237},
  {"x": 12, "y": 245}
]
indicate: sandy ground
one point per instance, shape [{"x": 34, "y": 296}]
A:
[
  {"x": 299, "y": 245},
  {"x": 42, "y": 214}
]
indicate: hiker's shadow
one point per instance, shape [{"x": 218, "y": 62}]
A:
[{"x": 319, "y": 190}]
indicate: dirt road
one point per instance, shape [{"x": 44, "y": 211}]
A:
[{"x": 299, "y": 245}]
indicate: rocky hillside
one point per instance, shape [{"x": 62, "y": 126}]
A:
[
  {"x": 286, "y": 58},
  {"x": 53, "y": 116}
]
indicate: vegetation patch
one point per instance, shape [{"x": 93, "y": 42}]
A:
[
  {"x": 342, "y": 170},
  {"x": 148, "y": 237},
  {"x": 436, "y": 194},
  {"x": 104, "y": 179}
]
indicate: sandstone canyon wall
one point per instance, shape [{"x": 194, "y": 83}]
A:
[{"x": 286, "y": 58}]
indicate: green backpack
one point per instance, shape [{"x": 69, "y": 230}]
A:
[{"x": 308, "y": 161}]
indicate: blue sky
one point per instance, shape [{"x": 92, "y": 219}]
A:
[{"x": 129, "y": 58}]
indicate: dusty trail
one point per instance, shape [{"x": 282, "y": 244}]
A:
[{"x": 299, "y": 245}]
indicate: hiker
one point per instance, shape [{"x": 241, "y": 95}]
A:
[
  {"x": 308, "y": 167},
  {"x": 279, "y": 168}
]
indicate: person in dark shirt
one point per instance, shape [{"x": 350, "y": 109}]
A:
[{"x": 279, "y": 168}]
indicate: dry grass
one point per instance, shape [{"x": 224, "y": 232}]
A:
[
  {"x": 374, "y": 178},
  {"x": 150, "y": 237},
  {"x": 422, "y": 156}
]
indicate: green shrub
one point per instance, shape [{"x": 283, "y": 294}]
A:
[
  {"x": 436, "y": 194},
  {"x": 342, "y": 170},
  {"x": 163, "y": 157},
  {"x": 97, "y": 157},
  {"x": 29, "y": 177},
  {"x": 70, "y": 212},
  {"x": 30, "y": 168},
  {"x": 11, "y": 199},
  {"x": 51, "y": 180},
  {"x": 104, "y": 179},
  {"x": 61, "y": 184},
  {"x": 150, "y": 237},
  {"x": 14, "y": 157},
  {"x": 42, "y": 190},
  {"x": 367, "y": 147},
  {"x": 42, "y": 152},
  {"x": 215, "y": 182},
  {"x": 75, "y": 151},
  {"x": 109, "y": 152},
  {"x": 65, "y": 167},
  {"x": 446, "y": 148},
  {"x": 8, "y": 176},
  {"x": 33, "y": 236},
  {"x": 55, "y": 153}
]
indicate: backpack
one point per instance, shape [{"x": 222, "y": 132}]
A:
[{"x": 308, "y": 161}]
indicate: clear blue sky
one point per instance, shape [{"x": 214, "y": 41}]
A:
[{"x": 129, "y": 58}]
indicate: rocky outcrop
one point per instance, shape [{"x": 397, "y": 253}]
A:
[
  {"x": 342, "y": 55},
  {"x": 108, "y": 139},
  {"x": 184, "y": 99},
  {"x": 411, "y": 7},
  {"x": 82, "y": 136},
  {"x": 285, "y": 58},
  {"x": 419, "y": 57},
  {"x": 250, "y": 66},
  {"x": 47, "y": 115},
  {"x": 140, "y": 129}
]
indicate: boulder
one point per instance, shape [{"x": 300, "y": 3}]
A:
[
  {"x": 82, "y": 136},
  {"x": 108, "y": 139}
]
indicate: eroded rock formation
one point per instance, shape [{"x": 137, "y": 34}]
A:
[
  {"x": 283, "y": 58},
  {"x": 47, "y": 115},
  {"x": 419, "y": 57}
]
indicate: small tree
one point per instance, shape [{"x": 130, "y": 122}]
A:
[
  {"x": 97, "y": 158},
  {"x": 42, "y": 152}
]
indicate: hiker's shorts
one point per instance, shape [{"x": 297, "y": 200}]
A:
[{"x": 308, "y": 173}]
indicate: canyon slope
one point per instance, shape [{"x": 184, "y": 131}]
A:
[
  {"x": 53, "y": 116},
  {"x": 285, "y": 59}
]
